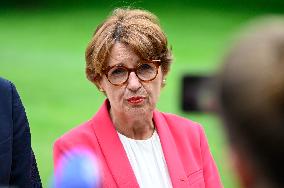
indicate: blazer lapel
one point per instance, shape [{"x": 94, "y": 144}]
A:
[
  {"x": 112, "y": 149},
  {"x": 174, "y": 163}
]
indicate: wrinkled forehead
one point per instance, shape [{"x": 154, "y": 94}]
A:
[{"x": 121, "y": 53}]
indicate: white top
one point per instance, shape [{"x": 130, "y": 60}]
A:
[{"x": 147, "y": 160}]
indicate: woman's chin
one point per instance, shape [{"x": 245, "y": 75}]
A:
[{"x": 137, "y": 110}]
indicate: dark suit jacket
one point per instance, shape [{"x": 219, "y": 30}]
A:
[{"x": 17, "y": 162}]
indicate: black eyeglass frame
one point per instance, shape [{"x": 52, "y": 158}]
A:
[{"x": 156, "y": 62}]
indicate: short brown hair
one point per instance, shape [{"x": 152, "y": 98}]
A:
[{"x": 139, "y": 29}]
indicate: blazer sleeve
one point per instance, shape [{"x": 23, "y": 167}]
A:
[
  {"x": 210, "y": 172},
  {"x": 24, "y": 171}
]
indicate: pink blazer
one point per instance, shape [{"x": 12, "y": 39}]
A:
[{"x": 184, "y": 145}]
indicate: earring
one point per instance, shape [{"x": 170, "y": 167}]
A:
[
  {"x": 163, "y": 82},
  {"x": 101, "y": 90}
]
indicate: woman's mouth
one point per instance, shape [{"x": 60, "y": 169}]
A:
[{"x": 136, "y": 100}]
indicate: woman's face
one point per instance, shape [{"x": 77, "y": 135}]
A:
[{"x": 134, "y": 98}]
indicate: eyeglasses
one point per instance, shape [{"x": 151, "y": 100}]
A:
[{"x": 146, "y": 71}]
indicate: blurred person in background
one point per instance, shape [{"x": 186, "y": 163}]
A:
[
  {"x": 128, "y": 59},
  {"x": 251, "y": 99},
  {"x": 17, "y": 161}
]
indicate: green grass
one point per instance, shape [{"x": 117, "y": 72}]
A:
[{"x": 42, "y": 52}]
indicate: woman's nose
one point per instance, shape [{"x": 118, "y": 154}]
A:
[{"x": 133, "y": 82}]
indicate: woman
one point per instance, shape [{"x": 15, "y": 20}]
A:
[
  {"x": 253, "y": 76},
  {"x": 138, "y": 146}
]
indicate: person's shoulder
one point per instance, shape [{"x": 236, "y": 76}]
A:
[
  {"x": 79, "y": 131},
  {"x": 184, "y": 130},
  {"x": 3, "y": 81},
  {"x": 6, "y": 95},
  {"x": 5, "y": 85},
  {"x": 183, "y": 127},
  {"x": 80, "y": 135},
  {"x": 180, "y": 122},
  {"x": 8, "y": 89}
]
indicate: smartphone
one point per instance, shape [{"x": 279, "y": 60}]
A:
[{"x": 198, "y": 93}]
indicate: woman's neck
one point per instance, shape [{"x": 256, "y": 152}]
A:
[{"x": 138, "y": 127}]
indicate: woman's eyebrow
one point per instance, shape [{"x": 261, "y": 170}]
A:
[
  {"x": 123, "y": 63},
  {"x": 118, "y": 64}
]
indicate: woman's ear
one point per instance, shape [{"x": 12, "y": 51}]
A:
[
  {"x": 100, "y": 86},
  {"x": 101, "y": 89}
]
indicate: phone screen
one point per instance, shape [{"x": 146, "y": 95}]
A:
[{"x": 198, "y": 93}]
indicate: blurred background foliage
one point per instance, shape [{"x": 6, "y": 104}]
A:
[{"x": 42, "y": 44}]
